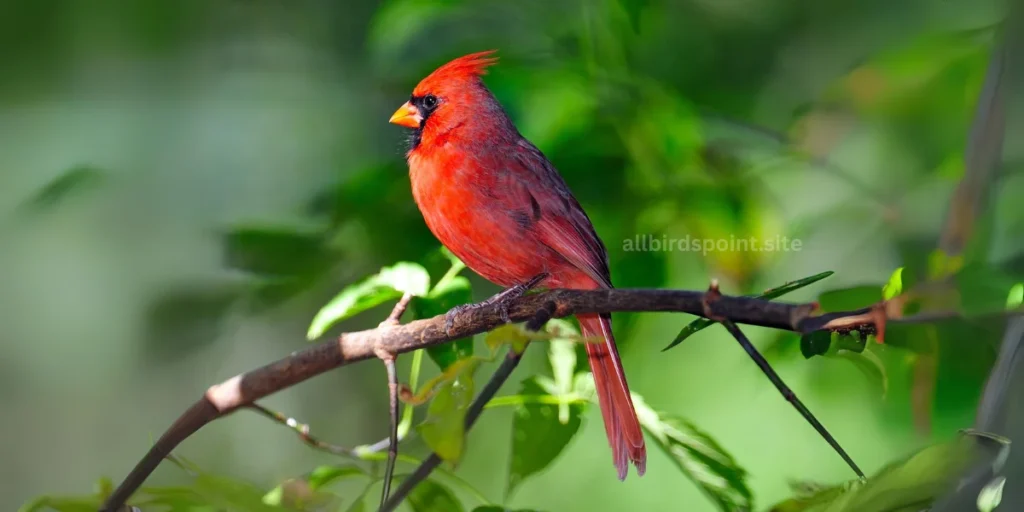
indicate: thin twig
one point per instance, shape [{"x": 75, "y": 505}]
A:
[
  {"x": 302, "y": 429},
  {"x": 787, "y": 393},
  {"x": 389, "y": 469},
  {"x": 398, "y": 310},
  {"x": 502, "y": 374},
  {"x": 389, "y": 364}
]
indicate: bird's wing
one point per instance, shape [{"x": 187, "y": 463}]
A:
[{"x": 560, "y": 221}]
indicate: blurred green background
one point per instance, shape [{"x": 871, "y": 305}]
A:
[{"x": 183, "y": 184}]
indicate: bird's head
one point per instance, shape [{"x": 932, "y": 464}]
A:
[{"x": 452, "y": 96}]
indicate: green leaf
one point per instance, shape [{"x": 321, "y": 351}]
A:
[
  {"x": 447, "y": 294},
  {"x": 909, "y": 484},
  {"x": 850, "y": 298},
  {"x": 1016, "y": 296},
  {"x": 514, "y": 335},
  {"x": 231, "y": 494},
  {"x": 822, "y": 343},
  {"x": 326, "y": 475},
  {"x": 297, "y": 494},
  {"x": 703, "y": 323},
  {"x": 895, "y": 285},
  {"x": 562, "y": 356},
  {"x": 444, "y": 428},
  {"x": 388, "y": 284},
  {"x": 698, "y": 456},
  {"x": 359, "y": 505},
  {"x": 47, "y": 503},
  {"x": 275, "y": 251},
  {"x": 991, "y": 495},
  {"x": 59, "y": 189},
  {"x": 538, "y": 437},
  {"x": 816, "y": 343},
  {"x": 869, "y": 364},
  {"x": 431, "y": 496}
]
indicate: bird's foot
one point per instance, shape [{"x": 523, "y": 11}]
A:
[{"x": 501, "y": 299}]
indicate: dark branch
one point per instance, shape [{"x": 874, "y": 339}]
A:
[{"x": 242, "y": 390}]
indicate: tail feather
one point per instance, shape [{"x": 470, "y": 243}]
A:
[{"x": 620, "y": 422}]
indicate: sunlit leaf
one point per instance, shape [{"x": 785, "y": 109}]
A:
[
  {"x": 941, "y": 265},
  {"x": 698, "y": 456},
  {"x": 702, "y": 323},
  {"x": 538, "y": 437},
  {"x": 443, "y": 429},
  {"x": 447, "y": 294},
  {"x": 991, "y": 495},
  {"x": 562, "y": 356},
  {"x": 389, "y": 284},
  {"x": 298, "y": 494},
  {"x": 1016, "y": 296},
  {"x": 895, "y": 285},
  {"x": 514, "y": 335},
  {"x": 431, "y": 496},
  {"x": 326, "y": 475}
]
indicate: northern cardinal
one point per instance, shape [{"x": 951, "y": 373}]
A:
[{"x": 495, "y": 201}]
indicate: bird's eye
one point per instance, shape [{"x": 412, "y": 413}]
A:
[{"x": 430, "y": 101}]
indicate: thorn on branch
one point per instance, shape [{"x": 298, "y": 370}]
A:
[
  {"x": 786, "y": 392},
  {"x": 709, "y": 298}
]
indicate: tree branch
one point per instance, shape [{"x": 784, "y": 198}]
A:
[{"x": 244, "y": 389}]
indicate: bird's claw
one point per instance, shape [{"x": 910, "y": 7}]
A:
[
  {"x": 502, "y": 300},
  {"x": 449, "y": 318}
]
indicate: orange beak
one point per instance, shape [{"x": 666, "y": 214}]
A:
[{"x": 407, "y": 115}]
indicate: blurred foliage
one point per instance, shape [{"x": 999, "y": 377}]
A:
[{"x": 189, "y": 182}]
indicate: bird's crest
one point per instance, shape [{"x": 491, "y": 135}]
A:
[
  {"x": 469, "y": 66},
  {"x": 474, "y": 64}
]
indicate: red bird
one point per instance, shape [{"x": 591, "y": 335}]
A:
[{"x": 497, "y": 203}]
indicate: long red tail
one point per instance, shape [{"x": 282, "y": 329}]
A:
[{"x": 620, "y": 422}]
